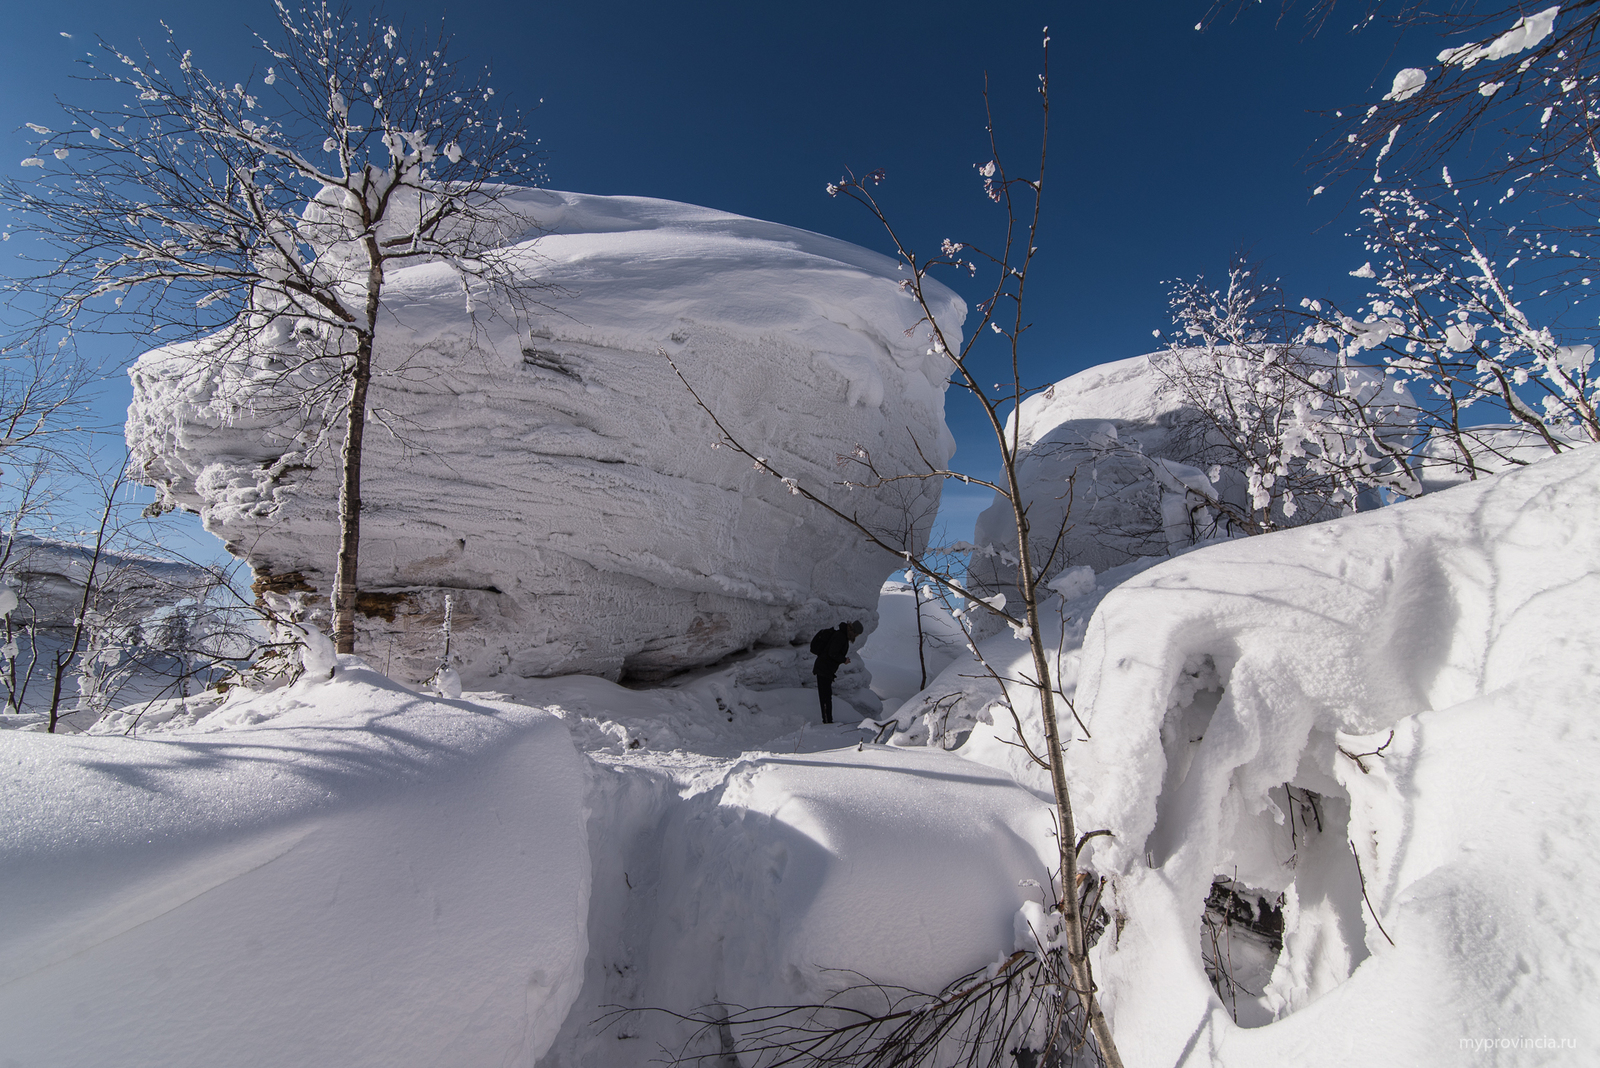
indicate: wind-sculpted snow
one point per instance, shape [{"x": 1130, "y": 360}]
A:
[
  {"x": 1436, "y": 881},
  {"x": 547, "y": 471},
  {"x": 1229, "y": 715}
]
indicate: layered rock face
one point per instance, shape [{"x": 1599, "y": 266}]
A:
[{"x": 544, "y": 468}]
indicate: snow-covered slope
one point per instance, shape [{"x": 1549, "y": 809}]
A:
[
  {"x": 340, "y": 873},
  {"x": 346, "y": 872},
  {"x": 1233, "y": 703},
  {"x": 1438, "y": 881},
  {"x": 550, "y": 473}
]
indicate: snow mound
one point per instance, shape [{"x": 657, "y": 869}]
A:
[
  {"x": 548, "y": 472},
  {"x": 1435, "y": 880},
  {"x": 798, "y": 875},
  {"x": 340, "y": 873}
]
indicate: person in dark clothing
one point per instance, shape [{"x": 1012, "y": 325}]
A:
[{"x": 832, "y": 649}]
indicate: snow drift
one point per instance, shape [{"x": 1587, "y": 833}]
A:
[
  {"x": 1236, "y": 706},
  {"x": 1436, "y": 880},
  {"x": 548, "y": 472},
  {"x": 338, "y": 873}
]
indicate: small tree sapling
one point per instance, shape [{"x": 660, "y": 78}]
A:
[{"x": 1001, "y": 313}]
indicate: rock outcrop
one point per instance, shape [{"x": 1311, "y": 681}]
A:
[
  {"x": 1117, "y": 463},
  {"x": 548, "y": 473}
]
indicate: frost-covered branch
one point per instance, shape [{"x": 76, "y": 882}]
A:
[{"x": 255, "y": 220}]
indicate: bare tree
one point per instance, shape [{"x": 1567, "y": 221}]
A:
[
  {"x": 1514, "y": 91},
  {"x": 43, "y": 395},
  {"x": 262, "y": 216},
  {"x": 1001, "y": 314},
  {"x": 1479, "y": 218},
  {"x": 1448, "y": 318}
]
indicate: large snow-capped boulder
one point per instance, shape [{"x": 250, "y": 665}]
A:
[
  {"x": 1103, "y": 425},
  {"x": 1376, "y": 735},
  {"x": 548, "y": 472},
  {"x": 1120, "y": 462}
]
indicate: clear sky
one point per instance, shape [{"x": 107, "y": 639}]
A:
[{"x": 1170, "y": 148}]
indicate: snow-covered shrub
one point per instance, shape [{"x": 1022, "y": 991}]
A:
[
  {"x": 1150, "y": 456},
  {"x": 1455, "y": 329},
  {"x": 1312, "y": 433}
]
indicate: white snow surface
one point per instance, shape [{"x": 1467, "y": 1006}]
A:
[
  {"x": 340, "y": 873},
  {"x": 1464, "y": 622},
  {"x": 544, "y": 467},
  {"x": 350, "y": 872}
]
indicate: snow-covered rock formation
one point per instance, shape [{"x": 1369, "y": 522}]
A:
[
  {"x": 145, "y": 623},
  {"x": 548, "y": 472},
  {"x": 1109, "y": 426},
  {"x": 1125, "y": 450}
]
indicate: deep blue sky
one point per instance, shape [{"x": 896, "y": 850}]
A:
[{"x": 1170, "y": 148}]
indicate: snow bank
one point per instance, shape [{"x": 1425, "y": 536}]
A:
[
  {"x": 742, "y": 857},
  {"x": 1437, "y": 882},
  {"x": 547, "y": 470},
  {"x": 341, "y": 873},
  {"x": 795, "y": 876},
  {"x": 903, "y": 866}
]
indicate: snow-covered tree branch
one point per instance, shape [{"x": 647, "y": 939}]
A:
[{"x": 256, "y": 219}]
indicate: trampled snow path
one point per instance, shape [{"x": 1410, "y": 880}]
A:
[{"x": 764, "y": 852}]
